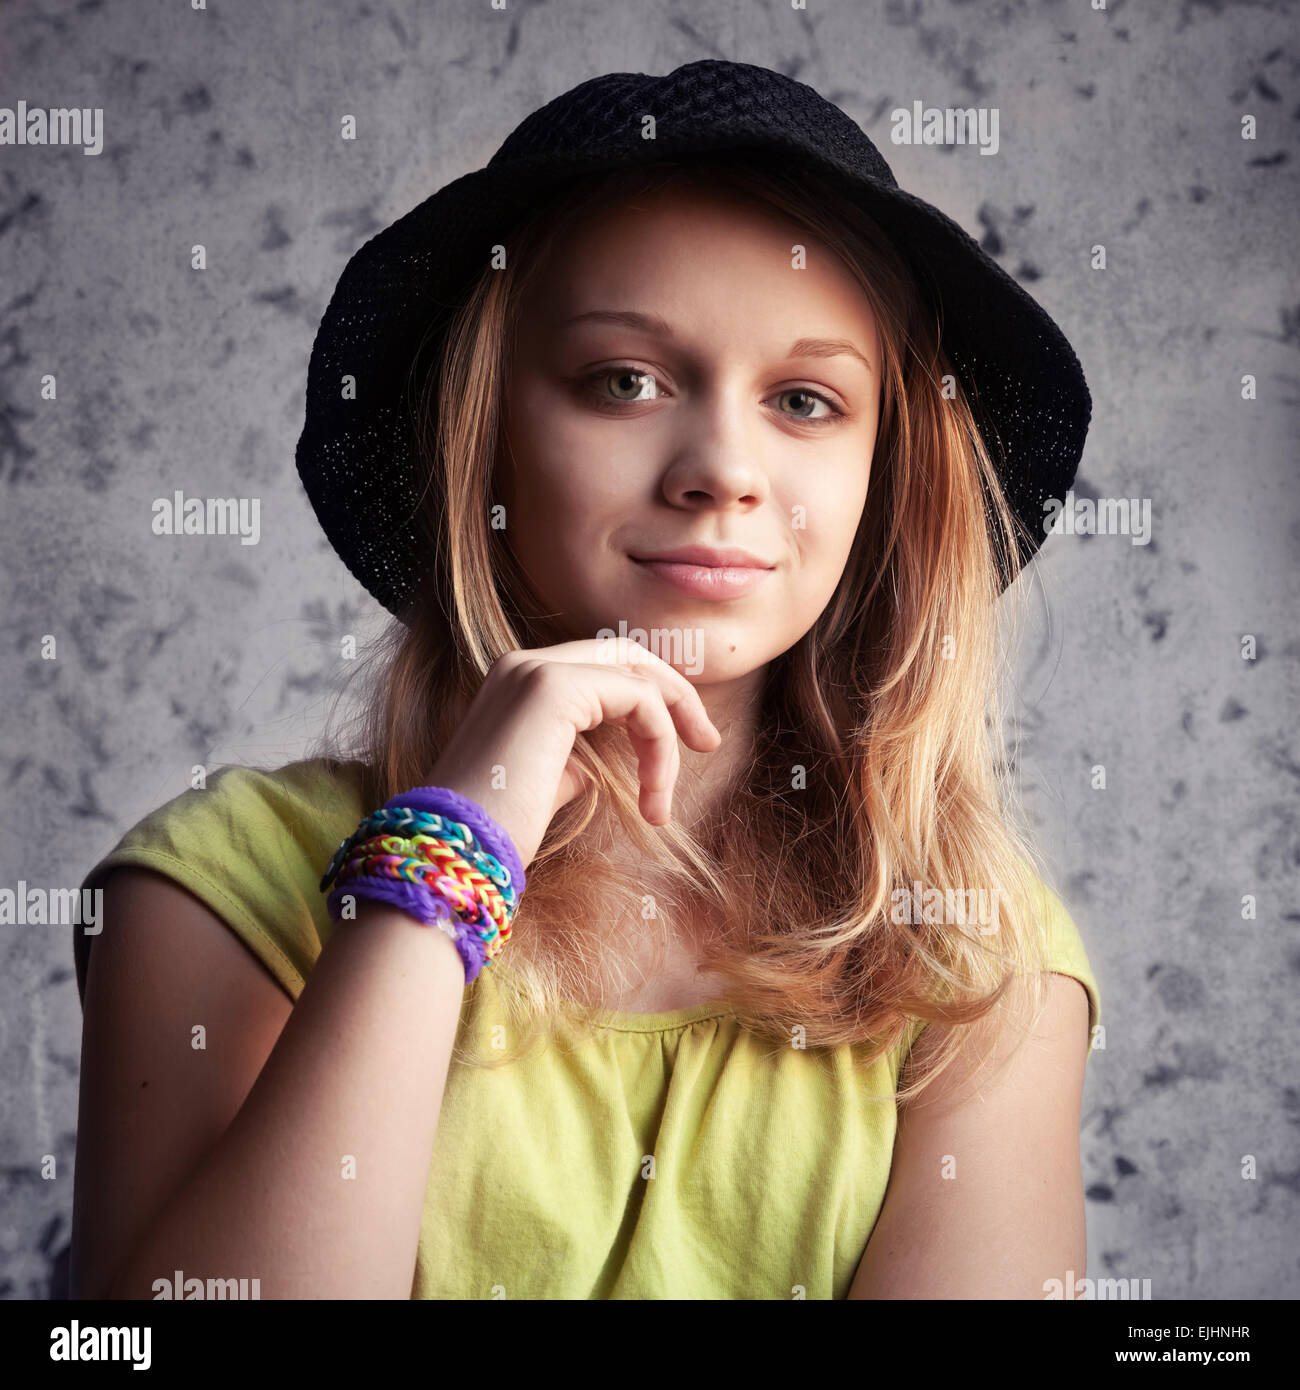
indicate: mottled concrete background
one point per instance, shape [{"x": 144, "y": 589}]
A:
[{"x": 1121, "y": 128}]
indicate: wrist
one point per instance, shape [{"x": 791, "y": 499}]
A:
[
  {"x": 440, "y": 858},
  {"x": 405, "y": 943}
]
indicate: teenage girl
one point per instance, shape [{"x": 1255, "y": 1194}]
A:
[{"x": 783, "y": 1010}]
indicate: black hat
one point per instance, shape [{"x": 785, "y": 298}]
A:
[{"x": 357, "y": 453}]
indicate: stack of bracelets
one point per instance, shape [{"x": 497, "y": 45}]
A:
[{"x": 441, "y": 858}]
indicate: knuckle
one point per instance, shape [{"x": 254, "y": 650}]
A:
[
  {"x": 506, "y": 664},
  {"x": 537, "y": 675}
]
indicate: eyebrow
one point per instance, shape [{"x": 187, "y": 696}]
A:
[{"x": 653, "y": 324}]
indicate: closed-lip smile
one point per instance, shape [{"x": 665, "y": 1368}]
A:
[
  {"x": 705, "y": 573},
  {"x": 712, "y": 559}
]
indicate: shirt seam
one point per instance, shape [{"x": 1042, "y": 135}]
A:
[{"x": 665, "y": 1027}]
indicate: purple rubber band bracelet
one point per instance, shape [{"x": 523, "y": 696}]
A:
[
  {"x": 421, "y": 903},
  {"x": 442, "y": 801}
]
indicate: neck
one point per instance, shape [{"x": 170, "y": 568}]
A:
[
  {"x": 702, "y": 780},
  {"x": 705, "y": 777}
]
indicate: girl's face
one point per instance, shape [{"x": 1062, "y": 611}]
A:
[{"x": 678, "y": 382}]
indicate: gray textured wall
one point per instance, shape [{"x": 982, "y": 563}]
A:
[{"x": 1120, "y": 127}]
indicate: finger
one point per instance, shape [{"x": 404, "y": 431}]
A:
[
  {"x": 677, "y": 707},
  {"x": 682, "y": 698},
  {"x": 656, "y": 795},
  {"x": 637, "y": 704}
]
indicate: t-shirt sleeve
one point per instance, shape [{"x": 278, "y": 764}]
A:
[
  {"x": 251, "y": 847},
  {"x": 1064, "y": 955},
  {"x": 1065, "y": 950}
]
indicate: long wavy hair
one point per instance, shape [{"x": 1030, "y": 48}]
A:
[{"x": 878, "y": 766}]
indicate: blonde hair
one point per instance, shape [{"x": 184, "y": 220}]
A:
[{"x": 890, "y": 702}]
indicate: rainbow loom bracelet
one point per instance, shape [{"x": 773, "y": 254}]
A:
[
  {"x": 430, "y": 862},
  {"x": 449, "y": 895},
  {"x": 441, "y": 858}
]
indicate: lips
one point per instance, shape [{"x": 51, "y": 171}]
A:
[
  {"x": 706, "y": 557},
  {"x": 713, "y": 580}
]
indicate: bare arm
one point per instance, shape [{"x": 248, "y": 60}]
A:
[
  {"x": 235, "y": 1161},
  {"x": 985, "y": 1196},
  {"x": 229, "y": 1162}
]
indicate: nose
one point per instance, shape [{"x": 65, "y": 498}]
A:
[{"x": 716, "y": 458}]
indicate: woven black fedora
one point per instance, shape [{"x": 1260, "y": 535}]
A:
[{"x": 387, "y": 317}]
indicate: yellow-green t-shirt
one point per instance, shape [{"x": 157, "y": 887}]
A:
[{"x": 674, "y": 1155}]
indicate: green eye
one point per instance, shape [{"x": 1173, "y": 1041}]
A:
[
  {"x": 810, "y": 400},
  {"x": 610, "y": 388},
  {"x": 638, "y": 386}
]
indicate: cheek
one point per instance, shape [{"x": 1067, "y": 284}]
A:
[
  {"x": 564, "y": 486},
  {"x": 824, "y": 508},
  {"x": 825, "y": 543},
  {"x": 581, "y": 477},
  {"x": 538, "y": 446}
]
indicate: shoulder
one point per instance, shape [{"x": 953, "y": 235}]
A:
[
  {"x": 251, "y": 845},
  {"x": 1008, "y": 1074},
  {"x": 285, "y": 792},
  {"x": 241, "y": 815},
  {"x": 1063, "y": 955}
]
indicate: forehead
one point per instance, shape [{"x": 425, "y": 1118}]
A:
[{"x": 691, "y": 252}]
